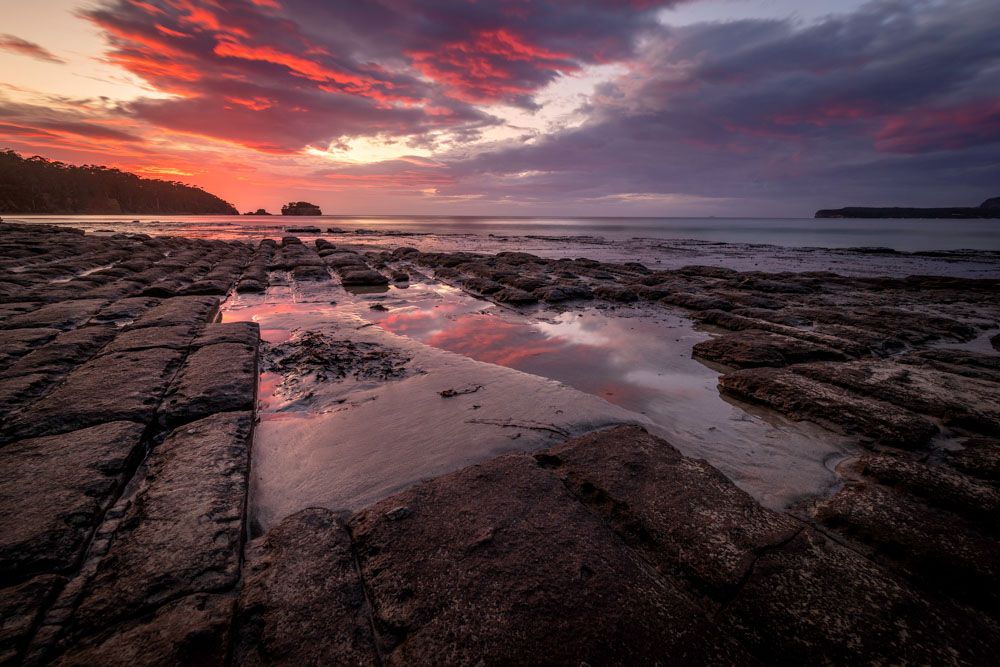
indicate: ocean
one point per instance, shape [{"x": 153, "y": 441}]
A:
[{"x": 899, "y": 235}]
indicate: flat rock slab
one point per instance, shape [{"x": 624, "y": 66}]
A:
[
  {"x": 813, "y": 599},
  {"x": 17, "y": 392},
  {"x": 958, "y": 400},
  {"x": 938, "y": 485},
  {"x": 17, "y": 342},
  {"x": 499, "y": 564},
  {"x": 112, "y": 387},
  {"x": 244, "y": 333},
  {"x": 194, "y": 630},
  {"x": 215, "y": 378},
  {"x": 303, "y": 601},
  {"x": 125, "y": 310},
  {"x": 752, "y": 348},
  {"x": 980, "y": 458},
  {"x": 21, "y": 608},
  {"x": 176, "y": 337},
  {"x": 54, "y": 490},
  {"x": 189, "y": 310},
  {"x": 63, "y": 315},
  {"x": 583, "y": 554},
  {"x": 362, "y": 277},
  {"x": 735, "y": 322},
  {"x": 66, "y": 351},
  {"x": 183, "y": 531},
  {"x": 681, "y": 512},
  {"x": 804, "y": 398},
  {"x": 937, "y": 546}
]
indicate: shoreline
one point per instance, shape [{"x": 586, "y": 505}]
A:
[{"x": 130, "y": 429}]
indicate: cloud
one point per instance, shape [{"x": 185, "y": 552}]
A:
[
  {"x": 783, "y": 116},
  {"x": 895, "y": 102},
  {"x": 26, "y": 48}
]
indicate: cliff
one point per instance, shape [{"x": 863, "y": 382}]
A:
[{"x": 38, "y": 186}]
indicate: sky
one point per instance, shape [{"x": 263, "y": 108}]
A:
[{"x": 518, "y": 107}]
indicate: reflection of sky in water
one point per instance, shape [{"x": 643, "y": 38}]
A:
[
  {"x": 629, "y": 361},
  {"x": 639, "y": 361}
]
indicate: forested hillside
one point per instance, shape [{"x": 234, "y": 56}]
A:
[{"x": 40, "y": 186}]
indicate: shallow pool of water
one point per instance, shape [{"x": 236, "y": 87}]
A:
[{"x": 637, "y": 358}]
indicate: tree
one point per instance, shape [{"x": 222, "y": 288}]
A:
[{"x": 36, "y": 185}]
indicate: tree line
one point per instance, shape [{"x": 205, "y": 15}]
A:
[{"x": 36, "y": 185}]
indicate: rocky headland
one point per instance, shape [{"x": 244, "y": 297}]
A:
[
  {"x": 988, "y": 209},
  {"x": 127, "y": 419},
  {"x": 36, "y": 186}
]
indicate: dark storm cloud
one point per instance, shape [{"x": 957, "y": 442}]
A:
[
  {"x": 894, "y": 102},
  {"x": 280, "y": 76},
  {"x": 899, "y": 101},
  {"x": 488, "y": 51}
]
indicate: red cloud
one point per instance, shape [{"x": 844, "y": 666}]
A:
[
  {"x": 925, "y": 130},
  {"x": 492, "y": 65},
  {"x": 26, "y": 48},
  {"x": 299, "y": 66}
]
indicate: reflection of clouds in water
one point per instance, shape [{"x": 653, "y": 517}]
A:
[
  {"x": 411, "y": 321},
  {"x": 670, "y": 384},
  {"x": 494, "y": 340},
  {"x": 575, "y": 329}
]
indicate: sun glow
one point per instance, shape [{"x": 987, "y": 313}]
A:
[{"x": 369, "y": 150}]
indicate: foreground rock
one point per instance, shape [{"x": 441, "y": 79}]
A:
[
  {"x": 304, "y": 570},
  {"x": 611, "y": 548},
  {"x": 538, "y": 575},
  {"x": 48, "y": 511},
  {"x": 805, "y": 398},
  {"x": 182, "y": 533},
  {"x": 118, "y": 386},
  {"x": 215, "y": 378},
  {"x": 194, "y": 630}
]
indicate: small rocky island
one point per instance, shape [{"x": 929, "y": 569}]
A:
[
  {"x": 300, "y": 208},
  {"x": 988, "y": 209}
]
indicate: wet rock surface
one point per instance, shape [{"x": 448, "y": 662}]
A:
[
  {"x": 215, "y": 378},
  {"x": 317, "y": 357},
  {"x": 194, "y": 630},
  {"x": 606, "y": 546},
  {"x": 21, "y": 608},
  {"x": 112, "y": 387},
  {"x": 183, "y": 531},
  {"x": 659, "y": 502},
  {"x": 303, "y": 570},
  {"x": 47, "y": 512},
  {"x": 115, "y": 527},
  {"x": 125, "y": 427},
  {"x": 752, "y": 348},
  {"x": 532, "y": 564}
]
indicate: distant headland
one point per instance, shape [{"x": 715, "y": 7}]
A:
[
  {"x": 988, "y": 209},
  {"x": 36, "y": 185}
]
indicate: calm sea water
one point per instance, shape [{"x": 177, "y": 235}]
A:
[{"x": 902, "y": 235}]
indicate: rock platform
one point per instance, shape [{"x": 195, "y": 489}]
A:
[{"x": 126, "y": 430}]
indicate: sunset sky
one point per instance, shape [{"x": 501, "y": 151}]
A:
[{"x": 518, "y": 107}]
